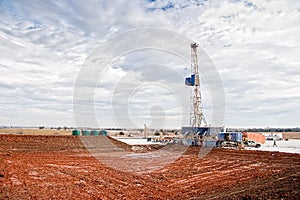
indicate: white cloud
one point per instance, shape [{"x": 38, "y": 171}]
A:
[{"x": 254, "y": 44}]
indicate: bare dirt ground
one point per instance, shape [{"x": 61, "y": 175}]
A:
[
  {"x": 53, "y": 167},
  {"x": 291, "y": 135}
]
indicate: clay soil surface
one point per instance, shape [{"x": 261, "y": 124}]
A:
[{"x": 53, "y": 167}]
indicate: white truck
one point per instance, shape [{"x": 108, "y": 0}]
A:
[{"x": 251, "y": 143}]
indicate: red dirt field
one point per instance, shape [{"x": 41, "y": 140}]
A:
[{"x": 59, "y": 167}]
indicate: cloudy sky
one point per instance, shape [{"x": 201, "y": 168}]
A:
[{"x": 44, "y": 45}]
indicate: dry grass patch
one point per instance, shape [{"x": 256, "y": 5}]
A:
[{"x": 32, "y": 131}]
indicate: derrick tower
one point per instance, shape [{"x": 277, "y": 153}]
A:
[{"x": 197, "y": 118}]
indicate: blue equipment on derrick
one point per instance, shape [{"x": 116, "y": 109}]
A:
[{"x": 190, "y": 81}]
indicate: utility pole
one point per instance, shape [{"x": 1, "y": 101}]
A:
[{"x": 145, "y": 131}]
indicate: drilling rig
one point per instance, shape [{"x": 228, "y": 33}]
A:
[
  {"x": 198, "y": 131},
  {"x": 197, "y": 118}
]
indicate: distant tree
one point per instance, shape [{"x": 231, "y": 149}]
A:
[{"x": 41, "y": 127}]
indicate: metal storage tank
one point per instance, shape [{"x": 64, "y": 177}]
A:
[
  {"x": 76, "y": 132},
  {"x": 103, "y": 132},
  {"x": 95, "y": 132},
  {"x": 255, "y": 137},
  {"x": 86, "y": 132}
]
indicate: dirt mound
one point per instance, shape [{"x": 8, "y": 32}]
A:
[
  {"x": 40, "y": 143},
  {"x": 53, "y": 167}
]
